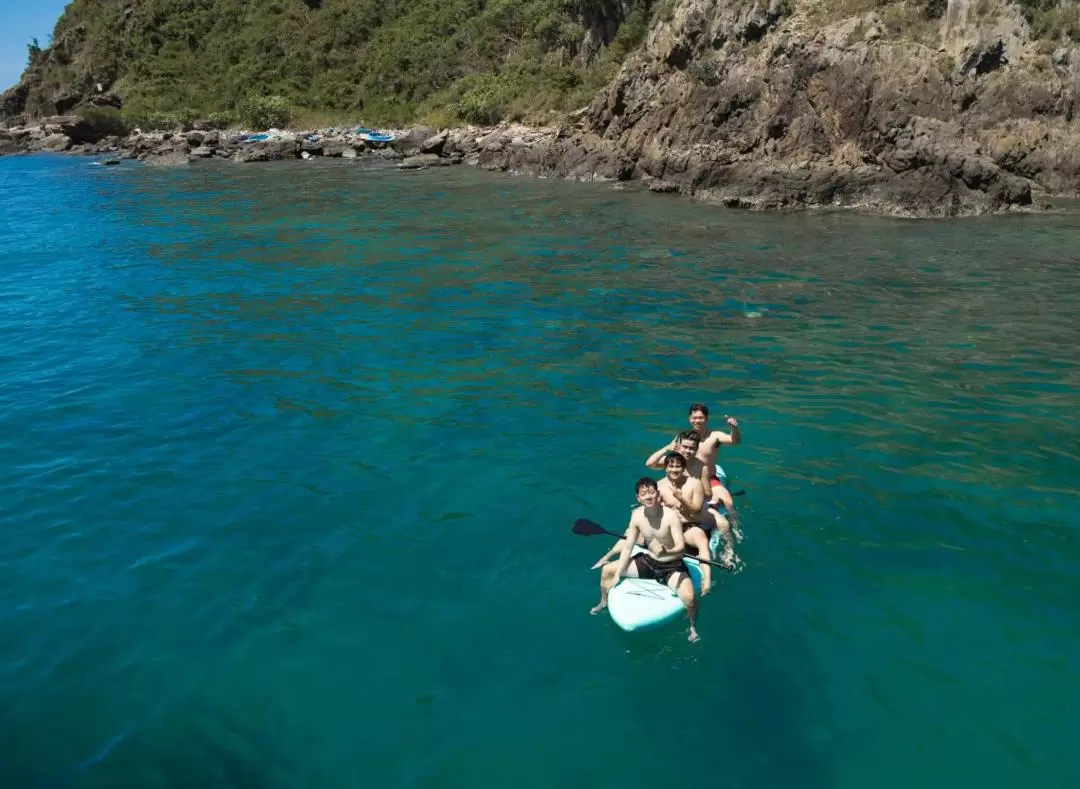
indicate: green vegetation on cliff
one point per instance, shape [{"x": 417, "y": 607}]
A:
[
  {"x": 266, "y": 62},
  {"x": 384, "y": 61}
]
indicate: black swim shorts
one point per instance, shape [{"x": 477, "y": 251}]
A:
[
  {"x": 708, "y": 527},
  {"x": 650, "y": 568}
]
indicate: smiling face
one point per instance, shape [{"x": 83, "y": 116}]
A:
[
  {"x": 688, "y": 443},
  {"x": 675, "y": 468},
  {"x": 647, "y": 492},
  {"x": 699, "y": 419}
]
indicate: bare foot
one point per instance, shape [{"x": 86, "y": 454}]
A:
[
  {"x": 596, "y": 609},
  {"x": 694, "y": 635}
]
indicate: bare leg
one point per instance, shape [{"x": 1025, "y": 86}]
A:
[
  {"x": 728, "y": 555},
  {"x": 685, "y": 591},
  {"x": 607, "y": 557},
  {"x": 696, "y": 539},
  {"x": 721, "y": 495},
  {"x": 608, "y": 580}
]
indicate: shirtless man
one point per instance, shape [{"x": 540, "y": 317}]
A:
[
  {"x": 686, "y": 495},
  {"x": 710, "y": 448},
  {"x": 661, "y": 531},
  {"x": 686, "y": 444}
]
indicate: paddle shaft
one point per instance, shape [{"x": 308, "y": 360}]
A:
[{"x": 695, "y": 558}]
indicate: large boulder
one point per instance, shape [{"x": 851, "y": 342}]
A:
[
  {"x": 419, "y": 161},
  {"x": 268, "y": 151},
  {"x": 91, "y": 125},
  {"x": 167, "y": 159},
  {"x": 434, "y": 144},
  {"x": 413, "y": 140},
  {"x": 52, "y": 143}
]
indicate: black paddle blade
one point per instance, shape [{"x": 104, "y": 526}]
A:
[{"x": 588, "y": 528}]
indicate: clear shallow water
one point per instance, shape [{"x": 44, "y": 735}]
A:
[{"x": 290, "y": 458}]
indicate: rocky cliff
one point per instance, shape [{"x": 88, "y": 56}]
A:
[
  {"x": 909, "y": 109},
  {"x": 920, "y": 108}
]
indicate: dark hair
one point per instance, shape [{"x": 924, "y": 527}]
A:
[
  {"x": 645, "y": 482},
  {"x": 700, "y": 407},
  {"x": 690, "y": 435},
  {"x": 676, "y": 458}
]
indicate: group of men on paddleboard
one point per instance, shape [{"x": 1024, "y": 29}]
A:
[{"x": 679, "y": 513}]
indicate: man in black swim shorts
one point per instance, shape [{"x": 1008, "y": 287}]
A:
[{"x": 661, "y": 531}]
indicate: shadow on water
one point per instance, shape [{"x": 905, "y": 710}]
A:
[
  {"x": 191, "y": 748},
  {"x": 748, "y": 685},
  {"x": 768, "y": 721}
]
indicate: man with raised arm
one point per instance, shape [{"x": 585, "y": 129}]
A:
[
  {"x": 709, "y": 448},
  {"x": 686, "y": 444}
]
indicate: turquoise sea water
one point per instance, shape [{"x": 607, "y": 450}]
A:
[{"x": 290, "y": 458}]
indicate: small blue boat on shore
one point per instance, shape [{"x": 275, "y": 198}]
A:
[{"x": 370, "y": 135}]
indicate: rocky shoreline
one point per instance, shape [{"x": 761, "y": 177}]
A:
[
  {"x": 507, "y": 146},
  {"x": 568, "y": 151},
  {"x": 71, "y": 135},
  {"x": 557, "y": 151}
]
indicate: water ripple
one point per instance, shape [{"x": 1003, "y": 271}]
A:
[{"x": 288, "y": 482}]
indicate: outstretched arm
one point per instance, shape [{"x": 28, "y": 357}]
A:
[
  {"x": 656, "y": 459},
  {"x": 736, "y": 436},
  {"x": 612, "y": 552}
]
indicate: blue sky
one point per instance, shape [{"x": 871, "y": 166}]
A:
[{"x": 23, "y": 21}]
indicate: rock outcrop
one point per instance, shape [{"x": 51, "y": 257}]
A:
[{"x": 766, "y": 104}]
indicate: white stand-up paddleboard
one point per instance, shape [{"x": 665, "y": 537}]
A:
[{"x": 640, "y": 604}]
